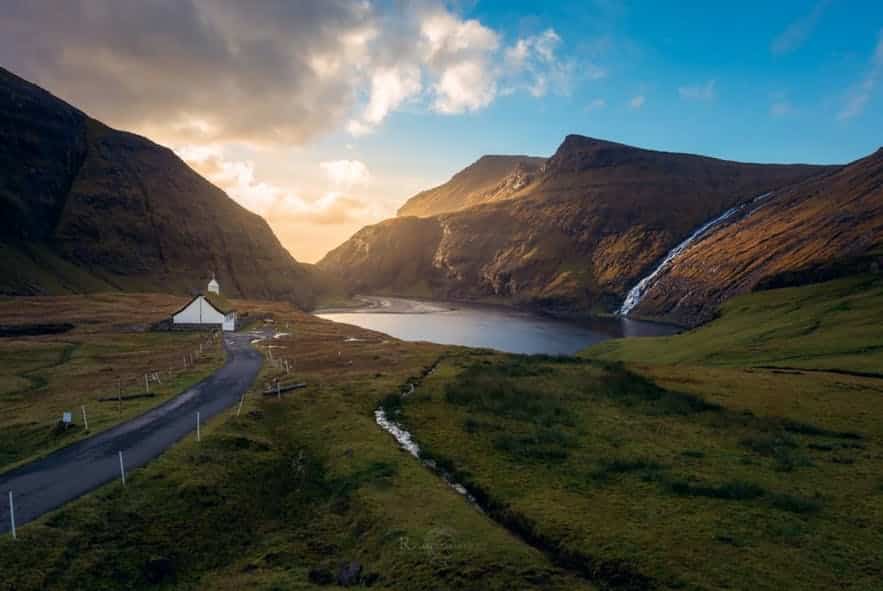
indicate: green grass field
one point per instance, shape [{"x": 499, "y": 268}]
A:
[
  {"x": 720, "y": 458},
  {"x": 833, "y": 325},
  {"x": 43, "y": 377},
  {"x": 284, "y": 495},
  {"x": 699, "y": 463}
]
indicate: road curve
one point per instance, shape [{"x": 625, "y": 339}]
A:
[{"x": 70, "y": 472}]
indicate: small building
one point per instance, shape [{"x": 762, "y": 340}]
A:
[{"x": 206, "y": 311}]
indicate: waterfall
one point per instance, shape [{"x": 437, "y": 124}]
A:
[{"x": 637, "y": 292}]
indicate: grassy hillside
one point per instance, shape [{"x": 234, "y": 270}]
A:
[
  {"x": 832, "y": 325},
  {"x": 692, "y": 465},
  {"x": 85, "y": 208}
]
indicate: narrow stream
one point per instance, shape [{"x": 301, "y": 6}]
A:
[
  {"x": 636, "y": 294},
  {"x": 406, "y": 441},
  {"x": 600, "y": 573}
]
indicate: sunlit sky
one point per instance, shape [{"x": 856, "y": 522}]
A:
[{"x": 324, "y": 115}]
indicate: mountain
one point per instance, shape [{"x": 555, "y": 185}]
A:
[
  {"x": 488, "y": 179},
  {"x": 814, "y": 230},
  {"x": 594, "y": 218},
  {"x": 89, "y": 208}
]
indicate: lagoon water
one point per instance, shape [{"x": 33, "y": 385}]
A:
[{"x": 494, "y": 327}]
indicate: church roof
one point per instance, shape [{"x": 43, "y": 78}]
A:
[{"x": 219, "y": 303}]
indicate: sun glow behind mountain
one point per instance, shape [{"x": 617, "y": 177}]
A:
[{"x": 326, "y": 116}]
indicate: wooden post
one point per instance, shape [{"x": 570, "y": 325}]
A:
[
  {"x": 85, "y": 419},
  {"x": 198, "y": 437},
  {"x": 241, "y": 400},
  {"x": 146, "y": 383},
  {"x": 12, "y": 515},
  {"x": 122, "y": 469}
]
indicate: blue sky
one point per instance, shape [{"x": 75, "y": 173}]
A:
[
  {"x": 326, "y": 115},
  {"x": 774, "y": 96}
]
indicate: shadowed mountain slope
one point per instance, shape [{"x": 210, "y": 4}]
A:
[
  {"x": 597, "y": 216},
  {"x": 89, "y": 208}
]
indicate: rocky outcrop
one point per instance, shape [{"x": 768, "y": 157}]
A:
[
  {"x": 593, "y": 219},
  {"x": 87, "y": 208},
  {"x": 487, "y": 180}
]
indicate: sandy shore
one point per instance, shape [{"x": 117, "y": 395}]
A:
[{"x": 390, "y": 305}]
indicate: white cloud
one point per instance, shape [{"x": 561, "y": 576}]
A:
[
  {"x": 304, "y": 69},
  {"x": 445, "y": 36},
  {"x": 861, "y": 95},
  {"x": 465, "y": 86},
  {"x": 390, "y": 87},
  {"x": 238, "y": 179},
  {"x": 532, "y": 63},
  {"x": 796, "y": 34},
  {"x": 596, "y": 104},
  {"x": 346, "y": 173},
  {"x": 698, "y": 92},
  {"x": 637, "y": 102}
]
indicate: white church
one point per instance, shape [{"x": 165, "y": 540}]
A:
[{"x": 202, "y": 312}]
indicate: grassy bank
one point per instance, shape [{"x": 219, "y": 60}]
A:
[{"x": 822, "y": 326}]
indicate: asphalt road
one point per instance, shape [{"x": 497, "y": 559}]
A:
[{"x": 70, "y": 472}]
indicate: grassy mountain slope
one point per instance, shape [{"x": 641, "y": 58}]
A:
[
  {"x": 488, "y": 179},
  {"x": 86, "y": 208},
  {"x": 831, "y": 325},
  {"x": 597, "y": 216},
  {"x": 803, "y": 232}
]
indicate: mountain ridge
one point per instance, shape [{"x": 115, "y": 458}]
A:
[
  {"x": 90, "y": 208},
  {"x": 595, "y": 219},
  {"x": 813, "y": 229},
  {"x": 493, "y": 177}
]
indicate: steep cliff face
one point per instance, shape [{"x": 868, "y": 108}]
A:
[
  {"x": 86, "y": 208},
  {"x": 595, "y": 218},
  {"x": 489, "y": 179},
  {"x": 805, "y": 230}
]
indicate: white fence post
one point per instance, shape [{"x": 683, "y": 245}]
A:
[
  {"x": 85, "y": 419},
  {"x": 146, "y": 383},
  {"x": 198, "y": 436},
  {"x": 241, "y": 400},
  {"x": 122, "y": 469},
  {"x": 12, "y": 515}
]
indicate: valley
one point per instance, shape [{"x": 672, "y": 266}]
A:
[
  {"x": 582, "y": 464},
  {"x": 597, "y": 367}
]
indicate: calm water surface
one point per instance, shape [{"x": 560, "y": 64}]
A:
[{"x": 488, "y": 326}]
